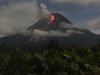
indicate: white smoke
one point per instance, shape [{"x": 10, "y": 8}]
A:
[
  {"x": 44, "y": 12},
  {"x": 17, "y": 16}
]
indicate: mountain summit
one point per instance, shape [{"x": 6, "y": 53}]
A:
[
  {"x": 50, "y": 23},
  {"x": 54, "y": 28}
]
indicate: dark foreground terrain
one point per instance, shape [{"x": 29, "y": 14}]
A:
[{"x": 50, "y": 61}]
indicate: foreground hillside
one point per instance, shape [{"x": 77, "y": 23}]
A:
[{"x": 50, "y": 61}]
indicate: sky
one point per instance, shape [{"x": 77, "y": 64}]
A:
[{"x": 17, "y": 15}]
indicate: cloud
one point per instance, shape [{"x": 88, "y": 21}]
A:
[
  {"x": 17, "y": 16},
  {"x": 55, "y": 33},
  {"x": 44, "y": 12},
  {"x": 50, "y": 33},
  {"x": 76, "y": 1},
  {"x": 94, "y": 25}
]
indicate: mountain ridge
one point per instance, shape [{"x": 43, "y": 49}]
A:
[{"x": 38, "y": 36}]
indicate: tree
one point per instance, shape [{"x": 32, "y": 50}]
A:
[{"x": 53, "y": 44}]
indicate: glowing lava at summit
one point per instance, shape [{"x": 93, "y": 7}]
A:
[{"x": 51, "y": 18}]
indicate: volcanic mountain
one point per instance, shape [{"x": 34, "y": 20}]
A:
[
  {"x": 49, "y": 23},
  {"x": 55, "y": 28}
]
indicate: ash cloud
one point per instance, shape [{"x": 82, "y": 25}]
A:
[
  {"x": 17, "y": 16},
  {"x": 44, "y": 12}
]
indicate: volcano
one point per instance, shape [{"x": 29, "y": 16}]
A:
[
  {"x": 54, "y": 28},
  {"x": 44, "y": 23}
]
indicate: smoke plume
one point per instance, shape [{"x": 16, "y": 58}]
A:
[
  {"x": 44, "y": 12},
  {"x": 15, "y": 17}
]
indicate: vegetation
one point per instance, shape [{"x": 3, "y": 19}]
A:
[{"x": 50, "y": 61}]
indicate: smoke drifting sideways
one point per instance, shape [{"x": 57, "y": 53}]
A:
[
  {"x": 15, "y": 17},
  {"x": 45, "y": 13}
]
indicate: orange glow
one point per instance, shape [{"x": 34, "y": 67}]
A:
[{"x": 51, "y": 18}]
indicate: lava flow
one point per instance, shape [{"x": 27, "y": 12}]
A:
[{"x": 51, "y": 19}]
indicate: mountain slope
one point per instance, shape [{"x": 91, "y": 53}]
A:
[
  {"x": 41, "y": 33},
  {"x": 44, "y": 24}
]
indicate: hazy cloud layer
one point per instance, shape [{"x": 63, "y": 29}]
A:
[
  {"x": 17, "y": 16},
  {"x": 70, "y": 30},
  {"x": 55, "y": 33},
  {"x": 76, "y": 1},
  {"x": 94, "y": 25}
]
